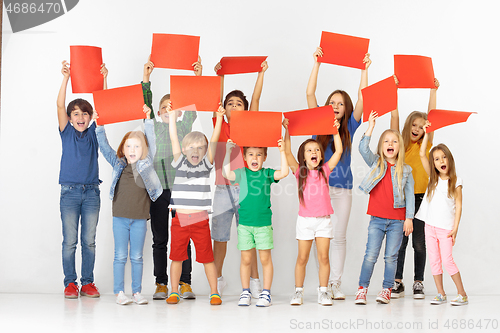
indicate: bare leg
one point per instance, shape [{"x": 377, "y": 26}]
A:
[
  {"x": 323, "y": 247},
  {"x": 302, "y": 259},
  {"x": 175, "y": 275},
  {"x": 458, "y": 282},
  {"x": 438, "y": 279},
  {"x": 220, "y": 249},
  {"x": 211, "y": 273},
  {"x": 245, "y": 267},
  {"x": 254, "y": 269},
  {"x": 267, "y": 268}
]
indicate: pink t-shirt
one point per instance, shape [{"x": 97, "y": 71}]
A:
[{"x": 316, "y": 194}]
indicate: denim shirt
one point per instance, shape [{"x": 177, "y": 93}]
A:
[
  {"x": 400, "y": 199},
  {"x": 144, "y": 167}
]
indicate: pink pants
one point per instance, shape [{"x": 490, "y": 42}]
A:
[{"x": 439, "y": 248}]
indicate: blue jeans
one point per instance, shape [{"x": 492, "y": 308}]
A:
[
  {"x": 79, "y": 204},
  {"x": 125, "y": 230},
  {"x": 378, "y": 228},
  {"x": 225, "y": 206}
]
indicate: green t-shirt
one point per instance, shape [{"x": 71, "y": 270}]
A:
[{"x": 255, "y": 196}]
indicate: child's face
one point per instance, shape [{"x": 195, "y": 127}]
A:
[
  {"x": 390, "y": 147},
  {"x": 337, "y": 102},
  {"x": 255, "y": 157},
  {"x": 440, "y": 162},
  {"x": 195, "y": 151},
  {"x": 163, "y": 112},
  {"x": 417, "y": 129},
  {"x": 312, "y": 155},
  {"x": 132, "y": 150},
  {"x": 79, "y": 119}
]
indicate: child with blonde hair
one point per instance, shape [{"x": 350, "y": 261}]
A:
[
  {"x": 390, "y": 185},
  {"x": 441, "y": 210}
]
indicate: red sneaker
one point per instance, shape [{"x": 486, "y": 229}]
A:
[
  {"x": 361, "y": 295},
  {"x": 384, "y": 296},
  {"x": 90, "y": 290},
  {"x": 71, "y": 291}
]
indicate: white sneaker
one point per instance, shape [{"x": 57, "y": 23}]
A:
[
  {"x": 245, "y": 298},
  {"x": 139, "y": 299},
  {"x": 122, "y": 299},
  {"x": 264, "y": 299},
  {"x": 221, "y": 284},
  {"x": 255, "y": 287},
  {"x": 297, "y": 297},
  {"x": 324, "y": 298},
  {"x": 335, "y": 291}
]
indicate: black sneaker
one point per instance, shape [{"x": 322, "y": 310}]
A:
[
  {"x": 418, "y": 290},
  {"x": 398, "y": 290}
]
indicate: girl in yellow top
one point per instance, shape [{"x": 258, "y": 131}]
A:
[{"x": 413, "y": 134}]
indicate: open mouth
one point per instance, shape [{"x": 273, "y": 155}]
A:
[
  {"x": 415, "y": 135},
  {"x": 255, "y": 164},
  {"x": 390, "y": 150},
  {"x": 443, "y": 167},
  {"x": 132, "y": 157},
  {"x": 195, "y": 158},
  {"x": 314, "y": 159}
]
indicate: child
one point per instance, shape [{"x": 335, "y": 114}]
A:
[
  {"x": 441, "y": 210},
  {"x": 390, "y": 185},
  {"x": 134, "y": 183},
  {"x": 341, "y": 180},
  {"x": 159, "y": 210},
  {"x": 315, "y": 208},
  {"x": 254, "y": 229},
  {"x": 191, "y": 200},
  {"x": 226, "y": 194},
  {"x": 80, "y": 195},
  {"x": 413, "y": 134}
]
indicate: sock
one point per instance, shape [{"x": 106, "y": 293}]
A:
[
  {"x": 322, "y": 289},
  {"x": 269, "y": 291},
  {"x": 246, "y": 289},
  {"x": 299, "y": 289}
]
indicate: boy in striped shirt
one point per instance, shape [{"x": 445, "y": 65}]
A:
[{"x": 191, "y": 199}]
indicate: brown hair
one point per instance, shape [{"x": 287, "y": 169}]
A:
[
  {"x": 240, "y": 95},
  {"x": 133, "y": 135},
  {"x": 82, "y": 105},
  {"x": 246, "y": 148},
  {"x": 407, "y": 127},
  {"x": 434, "y": 176},
  {"x": 164, "y": 98},
  {"x": 304, "y": 171},
  {"x": 345, "y": 136}
]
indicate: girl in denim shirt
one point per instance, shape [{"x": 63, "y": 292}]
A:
[
  {"x": 134, "y": 183},
  {"x": 391, "y": 206}
]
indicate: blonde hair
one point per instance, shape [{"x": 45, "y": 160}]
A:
[
  {"x": 192, "y": 137},
  {"x": 434, "y": 176},
  {"x": 134, "y": 135},
  {"x": 400, "y": 159},
  {"x": 407, "y": 127}
]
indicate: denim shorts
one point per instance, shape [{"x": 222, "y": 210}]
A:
[
  {"x": 260, "y": 238},
  {"x": 225, "y": 206}
]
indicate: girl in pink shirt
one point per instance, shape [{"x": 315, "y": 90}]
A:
[{"x": 313, "y": 222}]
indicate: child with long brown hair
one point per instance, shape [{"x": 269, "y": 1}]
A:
[
  {"x": 313, "y": 222},
  {"x": 441, "y": 210},
  {"x": 340, "y": 180}
]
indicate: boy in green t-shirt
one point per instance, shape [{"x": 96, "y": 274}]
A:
[{"x": 254, "y": 229}]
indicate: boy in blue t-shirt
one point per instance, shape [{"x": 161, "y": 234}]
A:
[{"x": 80, "y": 195}]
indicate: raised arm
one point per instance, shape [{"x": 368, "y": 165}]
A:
[
  {"x": 226, "y": 166},
  {"x": 292, "y": 162},
  {"x": 257, "y": 90},
  {"x": 337, "y": 141},
  {"x": 395, "y": 113},
  {"x": 458, "y": 213},
  {"x": 280, "y": 174},
  {"x": 172, "y": 126},
  {"x": 216, "y": 68},
  {"x": 432, "y": 104},
  {"x": 62, "y": 116},
  {"x": 358, "y": 109},
  {"x": 313, "y": 80},
  {"x": 146, "y": 85},
  {"x": 423, "y": 150},
  {"x": 197, "y": 67},
  {"x": 364, "y": 145},
  {"x": 107, "y": 152},
  {"x": 212, "y": 147},
  {"x": 149, "y": 130},
  {"x": 104, "y": 72}
]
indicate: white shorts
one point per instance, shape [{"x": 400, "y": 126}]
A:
[{"x": 308, "y": 228}]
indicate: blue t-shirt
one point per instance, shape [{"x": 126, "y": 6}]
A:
[
  {"x": 341, "y": 176},
  {"x": 79, "y": 156}
]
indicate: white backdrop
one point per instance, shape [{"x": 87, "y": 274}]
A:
[{"x": 456, "y": 34}]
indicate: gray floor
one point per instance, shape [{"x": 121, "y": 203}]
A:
[{"x": 53, "y": 313}]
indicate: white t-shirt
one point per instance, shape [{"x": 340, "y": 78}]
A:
[{"x": 440, "y": 212}]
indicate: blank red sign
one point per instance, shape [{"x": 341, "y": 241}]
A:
[
  {"x": 201, "y": 91},
  {"x": 119, "y": 104},
  {"x": 241, "y": 65},
  {"x": 85, "y": 66},
  {"x": 256, "y": 128},
  {"x": 381, "y": 97},
  {"x": 443, "y": 118},
  {"x": 175, "y": 51},
  {"x": 414, "y": 71},
  {"x": 315, "y": 121},
  {"x": 343, "y": 50}
]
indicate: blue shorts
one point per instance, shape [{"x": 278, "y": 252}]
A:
[{"x": 225, "y": 206}]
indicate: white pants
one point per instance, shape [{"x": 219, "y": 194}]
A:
[{"x": 341, "y": 202}]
